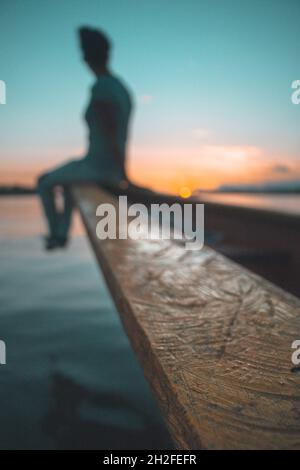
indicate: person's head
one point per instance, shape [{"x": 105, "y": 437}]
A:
[{"x": 95, "y": 47}]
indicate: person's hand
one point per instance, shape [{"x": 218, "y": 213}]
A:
[{"x": 124, "y": 184}]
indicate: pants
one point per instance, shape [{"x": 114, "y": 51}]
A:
[{"x": 72, "y": 172}]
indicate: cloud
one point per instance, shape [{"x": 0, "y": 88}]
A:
[
  {"x": 280, "y": 169},
  {"x": 145, "y": 99},
  {"x": 235, "y": 153},
  {"x": 201, "y": 133}
]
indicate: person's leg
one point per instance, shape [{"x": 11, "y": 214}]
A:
[
  {"x": 46, "y": 193},
  {"x": 66, "y": 216},
  {"x": 59, "y": 221}
]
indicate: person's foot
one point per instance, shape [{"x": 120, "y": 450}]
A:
[{"x": 53, "y": 242}]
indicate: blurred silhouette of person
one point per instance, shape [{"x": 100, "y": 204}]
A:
[{"x": 107, "y": 117}]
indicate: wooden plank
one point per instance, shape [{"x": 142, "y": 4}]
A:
[
  {"x": 213, "y": 339},
  {"x": 246, "y": 229}
]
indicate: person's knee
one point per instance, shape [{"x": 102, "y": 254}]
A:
[{"x": 42, "y": 182}]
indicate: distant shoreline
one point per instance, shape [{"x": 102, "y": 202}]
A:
[
  {"x": 254, "y": 192},
  {"x": 16, "y": 191}
]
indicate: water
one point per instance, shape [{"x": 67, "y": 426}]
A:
[
  {"x": 71, "y": 379},
  {"x": 287, "y": 203}
]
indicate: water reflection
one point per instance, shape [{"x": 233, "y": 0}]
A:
[
  {"x": 278, "y": 202},
  {"x": 74, "y": 420},
  {"x": 71, "y": 379}
]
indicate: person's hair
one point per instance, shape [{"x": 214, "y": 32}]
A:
[{"x": 95, "y": 45}]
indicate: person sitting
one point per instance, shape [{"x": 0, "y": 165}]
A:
[{"x": 107, "y": 117}]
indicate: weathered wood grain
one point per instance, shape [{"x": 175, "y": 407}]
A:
[
  {"x": 213, "y": 339},
  {"x": 263, "y": 240}
]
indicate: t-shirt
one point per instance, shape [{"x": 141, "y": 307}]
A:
[{"x": 108, "y": 89}]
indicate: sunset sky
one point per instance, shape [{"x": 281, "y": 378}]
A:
[{"x": 211, "y": 81}]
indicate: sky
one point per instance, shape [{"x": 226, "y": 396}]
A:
[{"x": 211, "y": 81}]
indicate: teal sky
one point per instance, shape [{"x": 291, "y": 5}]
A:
[{"x": 211, "y": 81}]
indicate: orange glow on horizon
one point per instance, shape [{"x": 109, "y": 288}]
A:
[{"x": 170, "y": 171}]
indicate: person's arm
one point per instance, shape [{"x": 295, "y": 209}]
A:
[{"x": 107, "y": 113}]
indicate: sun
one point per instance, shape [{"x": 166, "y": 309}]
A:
[{"x": 185, "y": 192}]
